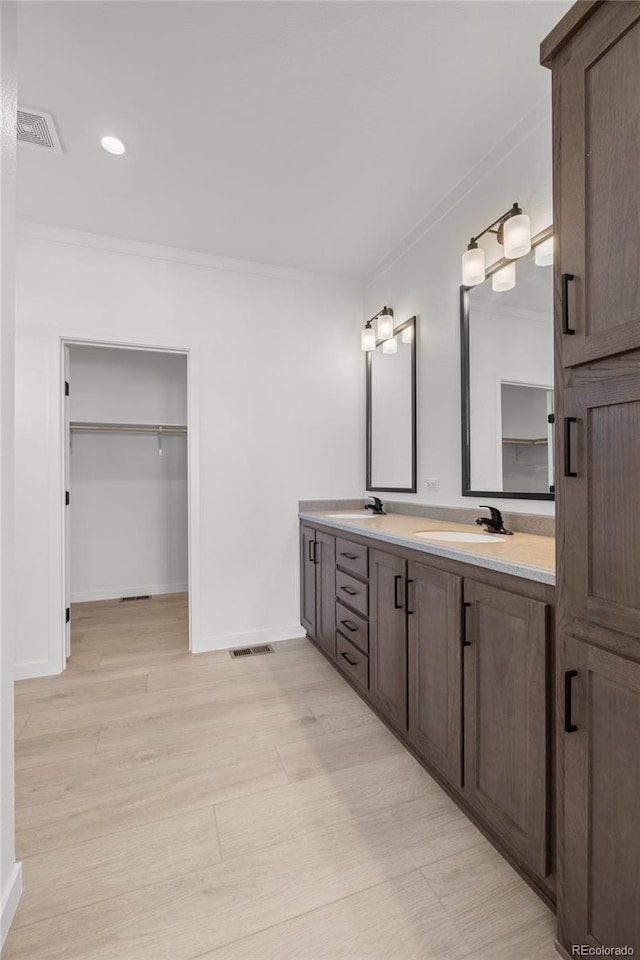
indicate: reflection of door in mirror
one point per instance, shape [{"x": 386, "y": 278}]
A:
[{"x": 525, "y": 410}]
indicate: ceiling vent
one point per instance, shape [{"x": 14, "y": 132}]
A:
[{"x": 37, "y": 129}]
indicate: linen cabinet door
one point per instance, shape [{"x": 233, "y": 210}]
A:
[
  {"x": 435, "y": 668},
  {"x": 308, "y": 553},
  {"x": 597, "y": 185},
  {"x": 326, "y": 592},
  {"x": 600, "y": 843},
  {"x": 599, "y": 538},
  {"x": 506, "y": 733},
  {"x": 388, "y": 636}
]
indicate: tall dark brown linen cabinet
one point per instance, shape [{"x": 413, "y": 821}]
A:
[{"x": 594, "y": 54}]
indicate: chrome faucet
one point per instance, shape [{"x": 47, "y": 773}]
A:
[
  {"x": 494, "y": 523},
  {"x": 376, "y": 507}
]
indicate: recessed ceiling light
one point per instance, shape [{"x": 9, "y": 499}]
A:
[{"x": 113, "y": 145}]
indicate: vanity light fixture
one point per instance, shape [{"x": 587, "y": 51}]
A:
[
  {"x": 368, "y": 337},
  {"x": 544, "y": 253},
  {"x": 504, "y": 279},
  {"x": 390, "y": 346},
  {"x": 512, "y": 229}
]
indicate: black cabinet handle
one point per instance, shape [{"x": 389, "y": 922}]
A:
[
  {"x": 350, "y": 556},
  {"x": 352, "y": 593},
  {"x": 566, "y": 279},
  {"x": 350, "y": 627},
  {"x": 569, "y": 726},
  {"x": 311, "y": 550},
  {"x": 396, "y": 583},
  {"x": 568, "y": 472},
  {"x": 465, "y": 607},
  {"x": 352, "y": 663},
  {"x": 409, "y": 612}
]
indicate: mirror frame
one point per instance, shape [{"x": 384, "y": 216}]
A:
[
  {"x": 411, "y": 322},
  {"x": 465, "y": 358}
]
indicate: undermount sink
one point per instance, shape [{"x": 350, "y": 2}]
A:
[
  {"x": 458, "y": 536},
  {"x": 351, "y": 516}
]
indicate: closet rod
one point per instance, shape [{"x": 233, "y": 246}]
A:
[{"x": 126, "y": 428}]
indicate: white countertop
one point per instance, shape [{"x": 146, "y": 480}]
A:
[{"x": 521, "y": 555}]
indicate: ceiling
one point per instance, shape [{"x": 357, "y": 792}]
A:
[{"x": 306, "y": 134}]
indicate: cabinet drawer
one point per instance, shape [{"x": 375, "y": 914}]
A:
[
  {"x": 352, "y": 661},
  {"x": 352, "y": 592},
  {"x": 352, "y": 557},
  {"x": 352, "y": 626}
]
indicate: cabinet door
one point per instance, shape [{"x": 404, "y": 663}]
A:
[
  {"x": 505, "y": 717},
  {"x": 388, "y": 636},
  {"x": 308, "y": 551},
  {"x": 599, "y": 538},
  {"x": 600, "y": 846},
  {"x": 326, "y": 592},
  {"x": 597, "y": 185},
  {"x": 435, "y": 668}
]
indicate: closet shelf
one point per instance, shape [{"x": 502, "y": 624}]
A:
[
  {"x": 86, "y": 426},
  {"x": 537, "y": 442}
]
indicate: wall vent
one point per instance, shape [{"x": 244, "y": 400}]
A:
[
  {"x": 37, "y": 129},
  {"x": 141, "y": 597},
  {"x": 250, "y": 651}
]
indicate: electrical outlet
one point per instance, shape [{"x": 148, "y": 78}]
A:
[{"x": 432, "y": 483}]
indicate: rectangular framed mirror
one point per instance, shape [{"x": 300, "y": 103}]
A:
[
  {"x": 507, "y": 381},
  {"x": 391, "y": 413}
]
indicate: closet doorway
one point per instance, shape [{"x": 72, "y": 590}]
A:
[{"x": 126, "y": 500}]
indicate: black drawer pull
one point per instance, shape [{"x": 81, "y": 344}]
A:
[
  {"x": 352, "y": 663},
  {"x": 566, "y": 279},
  {"x": 311, "y": 543},
  {"x": 568, "y": 472},
  {"x": 348, "y": 624},
  {"x": 350, "y": 556},
  {"x": 465, "y": 608},
  {"x": 352, "y": 593},
  {"x": 569, "y": 726},
  {"x": 396, "y": 583}
]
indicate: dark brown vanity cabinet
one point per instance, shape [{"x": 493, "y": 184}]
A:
[
  {"x": 434, "y": 600},
  {"x": 601, "y": 835},
  {"x": 317, "y": 586},
  {"x": 597, "y": 183},
  {"x": 506, "y": 729},
  {"x": 388, "y": 636},
  {"x": 594, "y": 54}
]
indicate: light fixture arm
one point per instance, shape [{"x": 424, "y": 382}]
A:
[
  {"x": 386, "y": 310},
  {"x": 515, "y": 211}
]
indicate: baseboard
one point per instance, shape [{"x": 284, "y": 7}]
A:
[
  {"x": 248, "y": 639},
  {"x": 115, "y": 593},
  {"x": 34, "y": 668},
  {"x": 10, "y": 900}
]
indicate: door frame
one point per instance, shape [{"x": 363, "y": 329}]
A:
[{"x": 193, "y": 473}]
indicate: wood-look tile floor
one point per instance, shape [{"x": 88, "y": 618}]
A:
[{"x": 172, "y": 806}]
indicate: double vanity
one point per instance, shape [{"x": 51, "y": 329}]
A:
[{"x": 447, "y": 633}]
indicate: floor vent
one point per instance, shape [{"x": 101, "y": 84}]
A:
[
  {"x": 37, "y": 129},
  {"x": 146, "y": 596},
  {"x": 250, "y": 651}
]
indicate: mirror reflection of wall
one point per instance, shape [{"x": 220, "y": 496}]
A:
[
  {"x": 391, "y": 415},
  {"x": 510, "y": 388}
]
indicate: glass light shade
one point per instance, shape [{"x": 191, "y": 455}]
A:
[
  {"x": 385, "y": 326},
  {"x": 368, "y": 338},
  {"x": 517, "y": 236},
  {"x": 504, "y": 279},
  {"x": 473, "y": 267},
  {"x": 407, "y": 335},
  {"x": 544, "y": 253},
  {"x": 390, "y": 346}
]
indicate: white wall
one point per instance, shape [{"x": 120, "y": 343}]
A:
[
  {"x": 276, "y": 409},
  {"x": 423, "y": 278},
  {"x": 10, "y": 872},
  {"x": 128, "y": 510}
]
